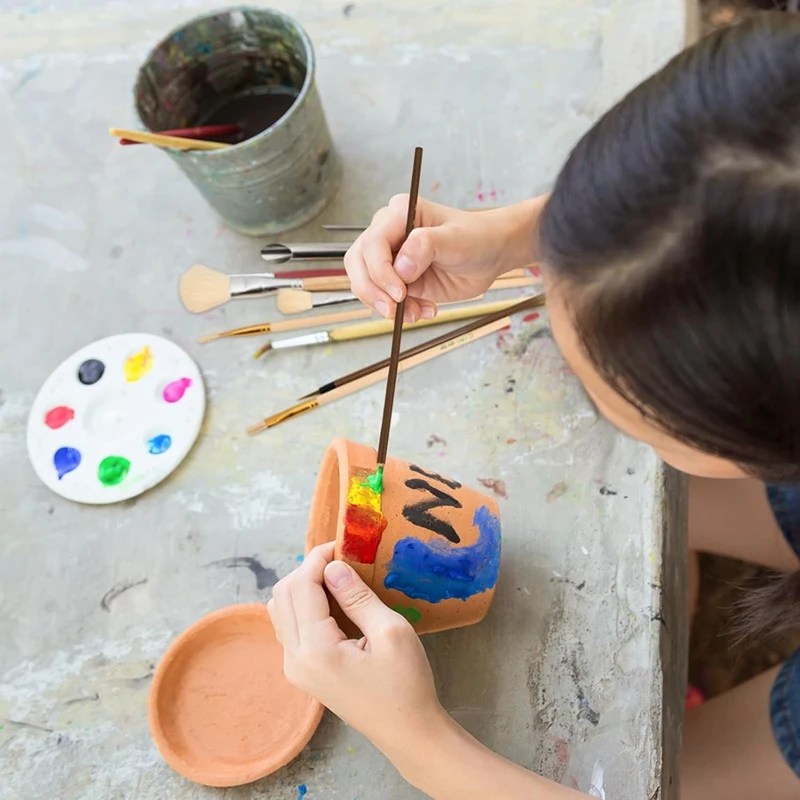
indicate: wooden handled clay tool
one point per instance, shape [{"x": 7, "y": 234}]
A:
[
  {"x": 453, "y": 343},
  {"x": 203, "y": 288},
  {"x": 278, "y": 253},
  {"x": 295, "y": 301},
  {"x": 160, "y": 140},
  {"x": 379, "y": 327},
  {"x": 375, "y": 481},
  {"x": 524, "y": 305},
  {"x": 199, "y": 132},
  {"x": 285, "y": 325}
]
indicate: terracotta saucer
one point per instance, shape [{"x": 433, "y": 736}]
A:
[{"x": 221, "y": 712}]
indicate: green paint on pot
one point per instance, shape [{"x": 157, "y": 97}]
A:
[
  {"x": 411, "y": 614},
  {"x": 375, "y": 482},
  {"x": 112, "y": 470}
]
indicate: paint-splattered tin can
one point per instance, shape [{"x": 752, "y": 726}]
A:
[{"x": 254, "y": 67}]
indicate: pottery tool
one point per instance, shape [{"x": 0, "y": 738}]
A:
[
  {"x": 160, "y": 140},
  {"x": 454, "y": 342},
  {"x": 364, "y": 330},
  {"x": 202, "y": 288},
  {"x": 115, "y": 418},
  {"x": 285, "y": 325},
  {"x": 375, "y": 482},
  {"x": 278, "y": 253},
  {"x": 524, "y": 305},
  {"x": 200, "y": 132},
  {"x": 294, "y": 301},
  {"x": 211, "y": 693}
]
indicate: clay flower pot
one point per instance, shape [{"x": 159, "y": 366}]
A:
[{"x": 428, "y": 546}]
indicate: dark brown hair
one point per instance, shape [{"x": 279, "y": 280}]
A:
[
  {"x": 675, "y": 228},
  {"x": 677, "y": 219}
]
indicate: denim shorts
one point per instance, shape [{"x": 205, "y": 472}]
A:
[{"x": 784, "y": 701}]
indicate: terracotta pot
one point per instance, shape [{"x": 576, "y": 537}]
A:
[
  {"x": 221, "y": 711},
  {"x": 428, "y": 546}
]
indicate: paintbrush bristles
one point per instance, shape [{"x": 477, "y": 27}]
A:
[
  {"x": 294, "y": 301},
  {"x": 203, "y": 288}
]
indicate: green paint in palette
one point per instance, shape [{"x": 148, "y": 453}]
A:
[{"x": 112, "y": 470}]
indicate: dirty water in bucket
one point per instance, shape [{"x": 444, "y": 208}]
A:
[{"x": 253, "y": 111}]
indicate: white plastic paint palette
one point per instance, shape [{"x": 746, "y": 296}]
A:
[{"x": 116, "y": 418}]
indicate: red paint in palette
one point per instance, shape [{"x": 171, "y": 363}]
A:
[
  {"x": 58, "y": 417},
  {"x": 363, "y": 528}
]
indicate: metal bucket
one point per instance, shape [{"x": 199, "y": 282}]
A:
[{"x": 283, "y": 176}]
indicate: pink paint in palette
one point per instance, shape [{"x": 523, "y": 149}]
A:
[{"x": 116, "y": 418}]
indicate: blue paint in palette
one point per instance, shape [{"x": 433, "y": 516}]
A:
[
  {"x": 436, "y": 570},
  {"x": 65, "y": 460},
  {"x": 160, "y": 444}
]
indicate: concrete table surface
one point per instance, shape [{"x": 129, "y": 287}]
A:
[{"x": 577, "y": 670}]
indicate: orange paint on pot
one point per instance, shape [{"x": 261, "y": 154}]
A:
[{"x": 221, "y": 711}]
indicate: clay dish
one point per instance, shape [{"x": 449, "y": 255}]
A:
[{"x": 220, "y": 710}]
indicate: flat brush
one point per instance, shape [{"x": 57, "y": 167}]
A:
[
  {"x": 364, "y": 330},
  {"x": 285, "y": 325},
  {"x": 524, "y": 305},
  {"x": 378, "y": 375},
  {"x": 295, "y": 301},
  {"x": 202, "y": 288}
]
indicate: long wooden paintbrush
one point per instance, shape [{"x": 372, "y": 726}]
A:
[
  {"x": 375, "y": 481},
  {"x": 455, "y": 341},
  {"x": 285, "y": 325},
  {"x": 524, "y": 305},
  {"x": 379, "y": 327}
]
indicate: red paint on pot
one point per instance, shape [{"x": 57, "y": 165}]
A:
[{"x": 363, "y": 528}]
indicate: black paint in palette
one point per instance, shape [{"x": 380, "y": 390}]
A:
[{"x": 254, "y": 111}]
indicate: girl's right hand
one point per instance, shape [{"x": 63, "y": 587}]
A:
[{"x": 450, "y": 255}]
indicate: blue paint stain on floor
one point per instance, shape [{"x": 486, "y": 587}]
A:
[
  {"x": 437, "y": 570},
  {"x": 299, "y": 559},
  {"x": 302, "y": 791}
]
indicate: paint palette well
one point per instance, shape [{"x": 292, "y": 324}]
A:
[{"x": 116, "y": 418}]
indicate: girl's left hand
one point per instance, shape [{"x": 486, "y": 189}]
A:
[{"x": 382, "y": 684}]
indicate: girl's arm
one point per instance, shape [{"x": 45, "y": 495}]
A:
[{"x": 383, "y": 686}]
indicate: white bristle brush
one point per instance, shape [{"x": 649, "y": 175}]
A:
[{"x": 203, "y": 288}]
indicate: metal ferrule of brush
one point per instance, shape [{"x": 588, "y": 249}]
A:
[
  {"x": 304, "y": 251},
  {"x": 259, "y": 285},
  {"x": 320, "y": 337}
]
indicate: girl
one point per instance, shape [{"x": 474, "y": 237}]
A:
[{"x": 671, "y": 254}]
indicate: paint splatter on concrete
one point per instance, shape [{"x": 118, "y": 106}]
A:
[
  {"x": 496, "y": 485},
  {"x": 531, "y": 317},
  {"x": 265, "y": 576},
  {"x": 302, "y": 791},
  {"x": 511, "y": 441},
  {"x": 604, "y": 490},
  {"x": 557, "y": 491},
  {"x": 434, "y": 438},
  {"x": 116, "y": 590}
]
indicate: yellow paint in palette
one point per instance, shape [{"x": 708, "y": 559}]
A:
[{"x": 138, "y": 365}]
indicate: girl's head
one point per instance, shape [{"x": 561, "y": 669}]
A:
[{"x": 672, "y": 245}]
